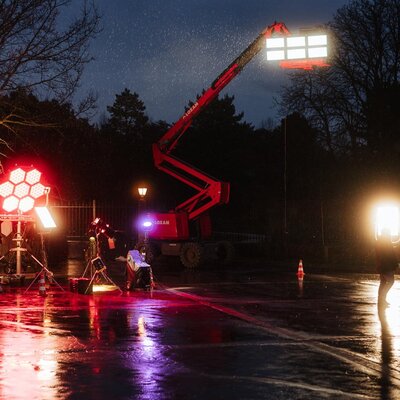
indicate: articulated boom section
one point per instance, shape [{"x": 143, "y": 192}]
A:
[{"x": 210, "y": 191}]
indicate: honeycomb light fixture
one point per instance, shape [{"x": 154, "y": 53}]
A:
[{"x": 22, "y": 189}]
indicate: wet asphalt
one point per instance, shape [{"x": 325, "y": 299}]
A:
[{"x": 251, "y": 331}]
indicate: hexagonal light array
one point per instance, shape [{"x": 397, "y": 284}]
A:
[{"x": 22, "y": 189}]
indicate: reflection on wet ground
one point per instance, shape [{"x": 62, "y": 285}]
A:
[{"x": 248, "y": 332}]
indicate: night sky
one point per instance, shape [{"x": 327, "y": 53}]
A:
[{"x": 167, "y": 51}]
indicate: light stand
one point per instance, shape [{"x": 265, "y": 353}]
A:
[
  {"x": 44, "y": 270},
  {"x": 142, "y": 190},
  {"x": 96, "y": 266},
  {"x": 47, "y": 225},
  {"x": 18, "y": 249}
]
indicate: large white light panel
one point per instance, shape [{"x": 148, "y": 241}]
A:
[
  {"x": 275, "y": 55},
  {"x": 316, "y": 52},
  {"x": 296, "y": 41},
  {"x": 317, "y": 40},
  {"x": 295, "y": 54},
  {"x": 275, "y": 43}
]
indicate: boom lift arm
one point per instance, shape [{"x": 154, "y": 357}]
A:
[{"x": 210, "y": 191}]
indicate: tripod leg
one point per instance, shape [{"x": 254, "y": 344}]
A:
[
  {"x": 36, "y": 260},
  {"x": 51, "y": 278},
  {"x": 108, "y": 279},
  {"x": 87, "y": 268},
  {"x": 91, "y": 282},
  {"x": 34, "y": 280}
]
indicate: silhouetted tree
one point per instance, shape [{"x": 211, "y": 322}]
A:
[
  {"x": 127, "y": 115},
  {"x": 37, "y": 55},
  {"x": 352, "y": 102},
  {"x": 67, "y": 146}
]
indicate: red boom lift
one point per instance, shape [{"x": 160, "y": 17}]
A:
[{"x": 171, "y": 230}]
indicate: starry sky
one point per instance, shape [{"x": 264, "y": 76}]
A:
[{"x": 168, "y": 51}]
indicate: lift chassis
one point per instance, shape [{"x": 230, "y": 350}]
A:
[{"x": 172, "y": 230}]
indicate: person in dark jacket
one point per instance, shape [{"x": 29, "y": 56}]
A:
[{"x": 387, "y": 264}]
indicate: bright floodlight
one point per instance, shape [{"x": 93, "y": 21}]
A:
[
  {"x": 296, "y": 54},
  {"x": 22, "y": 189},
  {"x": 297, "y": 47},
  {"x": 296, "y": 41},
  {"x": 33, "y": 176},
  {"x": 274, "y": 43},
  {"x": 26, "y": 204},
  {"x": 10, "y": 204},
  {"x": 317, "y": 52},
  {"x": 317, "y": 40},
  {"x": 275, "y": 55},
  {"x": 45, "y": 217},
  {"x": 147, "y": 224},
  {"x": 387, "y": 218},
  {"x": 6, "y": 189}
]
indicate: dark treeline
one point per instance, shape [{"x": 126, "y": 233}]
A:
[{"x": 278, "y": 172}]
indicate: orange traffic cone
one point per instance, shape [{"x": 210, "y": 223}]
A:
[
  {"x": 42, "y": 285},
  {"x": 300, "y": 271}
]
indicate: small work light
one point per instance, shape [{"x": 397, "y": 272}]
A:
[{"x": 45, "y": 217}]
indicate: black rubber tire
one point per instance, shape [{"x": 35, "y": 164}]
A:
[
  {"x": 225, "y": 252},
  {"x": 191, "y": 255}
]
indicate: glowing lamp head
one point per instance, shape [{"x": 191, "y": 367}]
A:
[
  {"x": 147, "y": 224},
  {"x": 22, "y": 189},
  {"x": 144, "y": 223},
  {"x": 298, "y": 52},
  {"x": 33, "y": 176},
  {"x": 37, "y": 190},
  {"x": 10, "y": 204},
  {"x": 387, "y": 220},
  {"x": 26, "y": 204},
  {"x": 142, "y": 191},
  {"x": 45, "y": 217},
  {"x": 17, "y": 175},
  {"x": 6, "y": 189}
]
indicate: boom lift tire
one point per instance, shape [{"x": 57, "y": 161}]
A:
[
  {"x": 225, "y": 252},
  {"x": 192, "y": 255}
]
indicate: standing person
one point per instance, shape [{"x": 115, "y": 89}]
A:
[{"x": 387, "y": 263}]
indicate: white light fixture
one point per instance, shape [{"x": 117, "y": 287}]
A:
[
  {"x": 297, "y": 47},
  {"x": 45, "y": 217},
  {"x": 275, "y": 55},
  {"x": 296, "y": 54},
  {"x": 142, "y": 191},
  {"x": 317, "y": 52},
  {"x": 317, "y": 40},
  {"x": 296, "y": 41},
  {"x": 273, "y": 43},
  {"x": 387, "y": 218}
]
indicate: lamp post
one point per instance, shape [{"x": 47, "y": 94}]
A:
[{"x": 142, "y": 190}]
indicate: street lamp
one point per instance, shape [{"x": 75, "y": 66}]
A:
[{"x": 142, "y": 190}]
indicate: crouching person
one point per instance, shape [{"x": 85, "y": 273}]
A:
[{"x": 138, "y": 273}]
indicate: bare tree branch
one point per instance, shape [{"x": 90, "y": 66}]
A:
[{"x": 348, "y": 103}]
